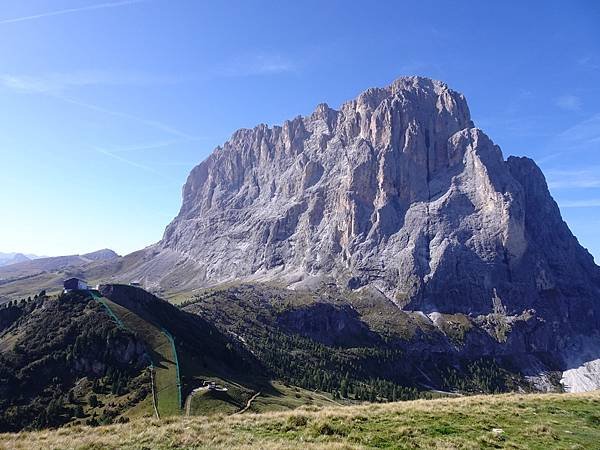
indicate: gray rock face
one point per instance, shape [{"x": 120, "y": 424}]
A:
[{"x": 397, "y": 190}]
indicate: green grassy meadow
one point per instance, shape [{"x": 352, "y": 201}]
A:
[
  {"x": 161, "y": 354},
  {"x": 507, "y": 421}
]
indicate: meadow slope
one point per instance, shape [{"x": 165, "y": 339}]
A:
[{"x": 534, "y": 421}]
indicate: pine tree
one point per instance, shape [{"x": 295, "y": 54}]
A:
[
  {"x": 344, "y": 388},
  {"x": 93, "y": 401}
]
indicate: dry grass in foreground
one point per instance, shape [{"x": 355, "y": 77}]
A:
[{"x": 536, "y": 421}]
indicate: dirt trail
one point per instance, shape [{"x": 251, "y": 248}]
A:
[
  {"x": 242, "y": 411},
  {"x": 154, "y": 397},
  {"x": 188, "y": 399},
  {"x": 188, "y": 403}
]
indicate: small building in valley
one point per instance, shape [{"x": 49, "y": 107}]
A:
[{"x": 75, "y": 284}]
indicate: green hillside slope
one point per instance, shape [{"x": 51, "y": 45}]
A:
[
  {"x": 77, "y": 358},
  {"x": 541, "y": 421},
  {"x": 161, "y": 352}
]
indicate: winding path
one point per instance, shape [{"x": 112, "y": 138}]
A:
[
  {"x": 188, "y": 399},
  {"x": 188, "y": 404},
  {"x": 242, "y": 411}
]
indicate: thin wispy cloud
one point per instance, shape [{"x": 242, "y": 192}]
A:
[
  {"x": 589, "y": 62},
  {"x": 574, "y": 179},
  {"x": 132, "y": 163},
  {"x": 569, "y": 102},
  {"x": 590, "y": 203},
  {"x": 581, "y": 137},
  {"x": 584, "y": 133},
  {"x": 517, "y": 126},
  {"x": 178, "y": 164},
  {"x": 55, "y": 85},
  {"x": 61, "y": 82},
  {"x": 148, "y": 146},
  {"x": 256, "y": 64},
  {"x": 151, "y": 123},
  {"x": 61, "y": 12},
  {"x": 549, "y": 157},
  {"x": 518, "y": 101}
]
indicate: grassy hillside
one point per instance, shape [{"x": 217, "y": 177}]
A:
[
  {"x": 71, "y": 359},
  {"x": 161, "y": 353},
  {"x": 203, "y": 352},
  {"x": 274, "y": 397},
  {"x": 550, "y": 421}
]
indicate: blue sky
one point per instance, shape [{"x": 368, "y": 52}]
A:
[{"x": 106, "y": 105}]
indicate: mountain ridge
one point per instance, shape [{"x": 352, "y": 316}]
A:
[
  {"x": 413, "y": 169},
  {"x": 7, "y": 259},
  {"x": 53, "y": 263}
]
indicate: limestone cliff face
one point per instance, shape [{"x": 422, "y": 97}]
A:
[{"x": 397, "y": 190}]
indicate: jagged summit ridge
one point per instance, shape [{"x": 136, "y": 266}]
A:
[
  {"x": 396, "y": 190},
  {"x": 364, "y": 118}
]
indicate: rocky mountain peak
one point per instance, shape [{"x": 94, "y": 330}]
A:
[{"x": 398, "y": 191}]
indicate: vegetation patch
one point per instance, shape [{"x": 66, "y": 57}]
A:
[
  {"x": 64, "y": 360},
  {"x": 455, "y": 326}
]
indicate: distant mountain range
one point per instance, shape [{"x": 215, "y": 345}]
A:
[
  {"x": 7, "y": 259},
  {"x": 29, "y": 276},
  {"x": 23, "y": 263}
]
